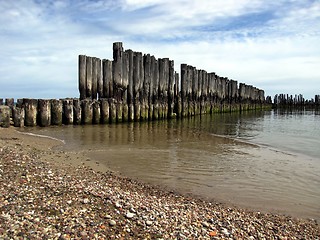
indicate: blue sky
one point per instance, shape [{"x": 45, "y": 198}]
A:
[{"x": 273, "y": 45}]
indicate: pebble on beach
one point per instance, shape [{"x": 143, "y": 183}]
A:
[{"x": 43, "y": 199}]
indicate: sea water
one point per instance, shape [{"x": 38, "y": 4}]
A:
[{"x": 264, "y": 160}]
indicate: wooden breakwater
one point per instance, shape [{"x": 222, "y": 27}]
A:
[
  {"x": 135, "y": 87},
  {"x": 295, "y": 101}
]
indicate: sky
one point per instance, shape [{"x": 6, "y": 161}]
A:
[{"x": 271, "y": 44}]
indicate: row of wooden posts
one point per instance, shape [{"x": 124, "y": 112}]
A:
[
  {"x": 136, "y": 87},
  {"x": 286, "y": 100}
]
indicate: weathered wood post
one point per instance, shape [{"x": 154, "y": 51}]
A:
[
  {"x": 125, "y": 77},
  {"x": 76, "y": 111},
  {"x": 94, "y": 77},
  {"x": 4, "y": 116},
  {"x": 19, "y": 102},
  {"x": 86, "y": 111},
  {"x": 56, "y": 112},
  {"x": 89, "y": 77},
  {"x": 82, "y": 76},
  {"x": 67, "y": 112},
  {"x": 44, "y": 112},
  {"x": 184, "y": 89},
  {"x": 146, "y": 99},
  {"x": 112, "y": 110},
  {"x": 9, "y": 102},
  {"x": 125, "y": 112},
  {"x": 96, "y": 112},
  {"x": 171, "y": 90},
  {"x": 107, "y": 78},
  {"x": 18, "y": 116},
  {"x": 1, "y": 101},
  {"x": 154, "y": 88},
  {"x": 99, "y": 78},
  {"x": 137, "y": 79},
  {"x": 104, "y": 111},
  {"x": 117, "y": 70},
  {"x": 119, "y": 111},
  {"x": 31, "y": 110},
  {"x": 130, "y": 94}
]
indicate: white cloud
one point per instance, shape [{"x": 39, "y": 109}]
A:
[{"x": 257, "y": 42}]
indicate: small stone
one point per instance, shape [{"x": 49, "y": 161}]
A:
[
  {"x": 149, "y": 223},
  {"x": 130, "y": 215},
  {"x": 107, "y": 216},
  {"x": 112, "y": 222},
  {"x": 225, "y": 232},
  {"x": 205, "y": 224},
  {"x": 118, "y": 205}
]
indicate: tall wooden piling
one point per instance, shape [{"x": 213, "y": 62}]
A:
[
  {"x": 89, "y": 77},
  {"x": 171, "y": 90},
  {"x": 117, "y": 70},
  {"x": 130, "y": 95},
  {"x": 82, "y": 76},
  {"x": 95, "y": 63},
  {"x": 107, "y": 78},
  {"x": 99, "y": 78}
]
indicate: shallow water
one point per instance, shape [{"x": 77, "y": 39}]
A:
[{"x": 261, "y": 160}]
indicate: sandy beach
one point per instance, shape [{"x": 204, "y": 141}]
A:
[{"x": 51, "y": 194}]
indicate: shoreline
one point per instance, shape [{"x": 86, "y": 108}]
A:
[{"x": 54, "y": 194}]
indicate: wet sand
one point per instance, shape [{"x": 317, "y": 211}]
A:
[{"x": 51, "y": 194}]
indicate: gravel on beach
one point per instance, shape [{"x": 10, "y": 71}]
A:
[{"x": 41, "y": 198}]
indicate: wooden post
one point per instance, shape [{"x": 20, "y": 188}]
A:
[
  {"x": 76, "y": 111},
  {"x": 107, "y": 78},
  {"x": 125, "y": 112},
  {"x": 67, "y": 113},
  {"x": 4, "y": 116},
  {"x": 99, "y": 78},
  {"x": 105, "y": 116},
  {"x": 44, "y": 112},
  {"x": 96, "y": 112},
  {"x": 112, "y": 111},
  {"x": 171, "y": 90},
  {"x": 18, "y": 116},
  {"x": 86, "y": 111},
  {"x": 82, "y": 76},
  {"x": 1, "y": 101},
  {"x": 56, "y": 112},
  {"x": 119, "y": 111},
  {"x": 131, "y": 112},
  {"x": 130, "y": 95},
  {"x": 117, "y": 70},
  {"x": 94, "y": 78},
  {"x": 184, "y": 89},
  {"x": 31, "y": 110},
  {"x": 89, "y": 77},
  {"x": 146, "y": 98},
  {"x": 154, "y": 86},
  {"x": 137, "y": 83},
  {"x": 125, "y": 77}
]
